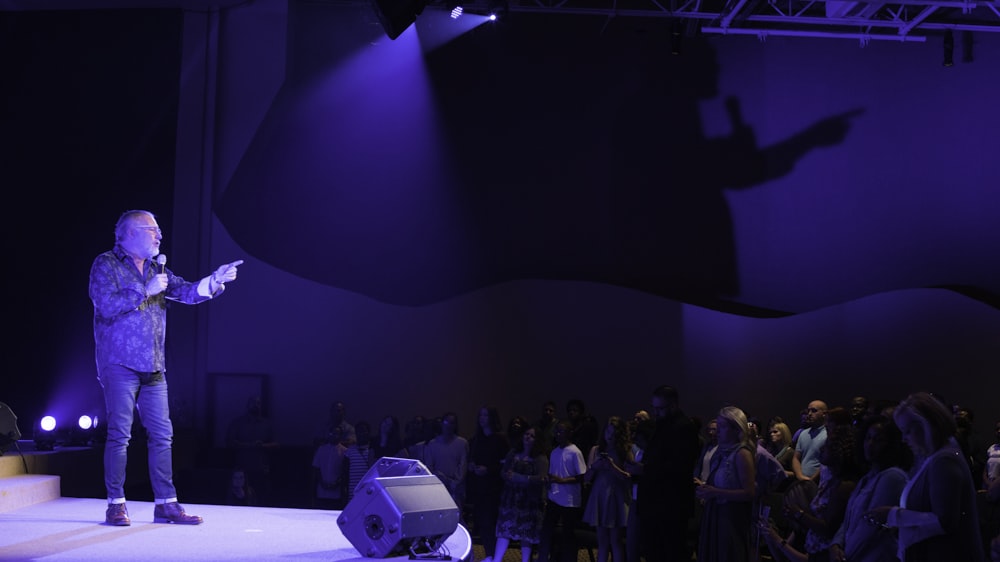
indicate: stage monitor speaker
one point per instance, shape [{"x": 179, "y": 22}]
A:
[
  {"x": 9, "y": 433},
  {"x": 399, "y": 514},
  {"x": 387, "y": 467}
]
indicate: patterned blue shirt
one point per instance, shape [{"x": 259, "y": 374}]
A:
[{"x": 129, "y": 327}]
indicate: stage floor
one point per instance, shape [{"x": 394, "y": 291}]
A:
[{"x": 73, "y": 529}]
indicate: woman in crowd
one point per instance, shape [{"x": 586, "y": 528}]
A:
[
  {"x": 889, "y": 459},
  {"x": 390, "y": 438},
  {"x": 937, "y": 515},
  {"x": 240, "y": 491},
  {"x": 779, "y": 444},
  {"x": 826, "y": 511},
  {"x": 729, "y": 492},
  {"x": 610, "y": 494},
  {"x": 522, "y": 500}
]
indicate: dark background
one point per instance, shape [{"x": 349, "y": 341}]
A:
[{"x": 545, "y": 209}]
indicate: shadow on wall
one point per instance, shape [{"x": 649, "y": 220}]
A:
[{"x": 513, "y": 153}]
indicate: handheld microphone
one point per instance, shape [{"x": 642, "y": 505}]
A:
[{"x": 162, "y": 260}]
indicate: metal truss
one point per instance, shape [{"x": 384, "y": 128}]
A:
[{"x": 865, "y": 21}]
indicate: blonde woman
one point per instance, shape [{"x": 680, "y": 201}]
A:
[
  {"x": 729, "y": 492},
  {"x": 937, "y": 517},
  {"x": 779, "y": 444}
]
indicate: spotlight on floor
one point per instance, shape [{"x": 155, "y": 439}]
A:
[
  {"x": 85, "y": 433},
  {"x": 86, "y": 422},
  {"x": 45, "y": 434}
]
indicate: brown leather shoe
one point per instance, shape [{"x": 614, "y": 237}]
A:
[
  {"x": 117, "y": 515},
  {"x": 173, "y": 513}
]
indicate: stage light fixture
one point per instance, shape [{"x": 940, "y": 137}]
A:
[
  {"x": 45, "y": 434},
  {"x": 85, "y": 433},
  {"x": 397, "y": 15},
  {"x": 454, "y": 8},
  {"x": 9, "y": 433}
]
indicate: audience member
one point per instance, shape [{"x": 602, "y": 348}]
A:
[
  {"x": 780, "y": 445},
  {"x": 805, "y": 463},
  {"x": 330, "y": 473},
  {"x": 884, "y": 407},
  {"x": 728, "y": 492},
  {"x": 993, "y": 496},
  {"x": 826, "y": 510},
  {"x": 641, "y": 431},
  {"x": 359, "y": 456},
  {"x": 702, "y": 468},
  {"x": 337, "y": 418},
  {"x": 565, "y": 495},
  {"x": 937, "y": 515},
  {"x": 771, "y": 476},
  {"x": 858, "y": 410},
  {"x": 991, "y": 471},
  {"x": 240, "y": 492},
  {"x": 666, "y": 489},
  {"x": 546, "y": 426},
  {"x": 583, "y": 426},
  {"x": 389, "y": 440},
  {"x": 970, "y": 441},
  {"x": 487, "y": 450},
  {"x": 522, "y": 501},
  {"x": 711, "y": 443},
  {"x": 250, "y": 437},
  {"x": 610, "y": 493},
  {"x": 447, "y": 457},
  {"x": 888, "y": 458},
  {"x": 803, "y": 425},
  {"x": 753, "y": 423},
  {"x": 515, "y": 430},
  {"x": 415, "y": 437}
]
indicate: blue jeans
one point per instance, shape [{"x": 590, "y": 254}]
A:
[{"x": 125, "y": 391}]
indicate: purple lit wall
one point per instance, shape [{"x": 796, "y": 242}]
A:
[
  {"x": 542, "y": 210},
  {"x": 804, "y": 193}
]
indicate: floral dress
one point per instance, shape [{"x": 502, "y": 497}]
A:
[{"x": 522, "y": 500}]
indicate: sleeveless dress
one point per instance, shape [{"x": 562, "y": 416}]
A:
[
  {"x": 608, "y": 504},
  {"x": 521, "y": 504},
  {"x": 725, "y": 525}
]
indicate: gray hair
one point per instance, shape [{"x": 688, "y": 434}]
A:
[{"x": 125, "y": 221}]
